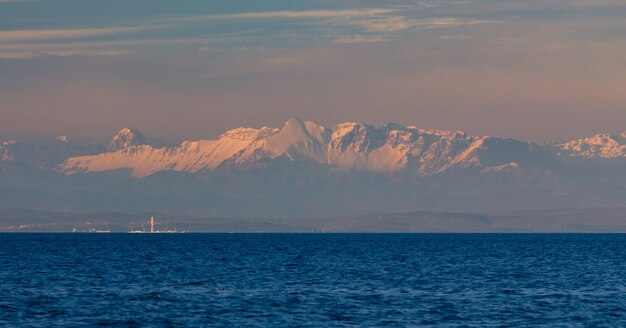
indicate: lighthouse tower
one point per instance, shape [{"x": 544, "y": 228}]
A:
[{"x": 152, "y": 224}]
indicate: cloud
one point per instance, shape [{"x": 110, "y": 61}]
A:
[
  {"x": 304, "y": 14},
  {"x": 93, "y": 48},
  {"x": 385, "y": 24},
  {"x": 351, "y": 39},
  {"x": 66, "y": 53},
  {"x": 364, "y": 25},
  {"x": 9, "y": 1},
  {"x": 399, "y": 23},
  {"x": 374, "y": 19},
  {"x": 17, "y": 55},
  {"x": 340, "y": 25},
  {"x": 52, "y": 34},
  {"x": 369, "y": 19}
]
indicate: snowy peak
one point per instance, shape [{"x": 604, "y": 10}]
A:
[
  {"x": 299, "y": 140},
  {"x": 600, "y": 146},
  {"x": 249, "y": 134},
  {"x": 125, "y": 138}
]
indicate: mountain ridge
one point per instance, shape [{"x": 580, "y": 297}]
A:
[
  {"x": 346, "y": 146},
  {"x": 604, "y": 145},
  {"x": 305, "y": 168}
]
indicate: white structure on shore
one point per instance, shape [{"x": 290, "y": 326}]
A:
[{"x": 152, "y": 228}]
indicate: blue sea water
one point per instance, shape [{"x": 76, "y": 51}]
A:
[{"x": 312, "y": 280}]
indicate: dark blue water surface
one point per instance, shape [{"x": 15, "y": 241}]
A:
[{"x": 313, "y": 280}]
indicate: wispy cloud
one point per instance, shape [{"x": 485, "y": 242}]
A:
[
  {"x": 342, "y": 26},
  {"x": 303, "y": 14},
  {"x": 8, "y": 1},
  {"x": 56, "y": 34},
  {"x": 368, "y": 20},
  {"x": 67, "y": 53},
  {"x": 352, "y": 39},
  {"x": 400, "y": 23},
  {"x": 93, "y": 48}
]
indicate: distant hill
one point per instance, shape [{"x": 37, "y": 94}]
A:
[{"x": 611, "y": 220}]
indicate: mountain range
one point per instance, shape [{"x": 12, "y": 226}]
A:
[{"x": 305, "y": 169}]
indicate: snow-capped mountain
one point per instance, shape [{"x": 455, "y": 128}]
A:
[
  {"x": 306, "y": 169},
  {"x": 391, "y": 148},
  {"x": 47, "y": 153},
  {"x": 128, "y": 137},
  {"x": 600, "y": 146}
]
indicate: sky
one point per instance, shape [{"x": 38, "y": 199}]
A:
[{"x": 187, "y": 69}]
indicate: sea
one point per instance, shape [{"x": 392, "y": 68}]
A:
[{"x": 312, "y": 280}]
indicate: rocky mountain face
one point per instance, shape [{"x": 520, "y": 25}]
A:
[
  {"x": 129, "y": 137},
  {"x": 125, "y": 138}
]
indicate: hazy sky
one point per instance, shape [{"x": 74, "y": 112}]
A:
[{"x": 181, "y": 69}]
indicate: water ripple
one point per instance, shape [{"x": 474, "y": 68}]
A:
[{"x": 317, "y": 280}]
